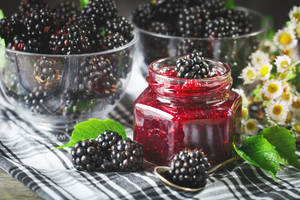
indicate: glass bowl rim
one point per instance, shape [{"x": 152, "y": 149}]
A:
[
  {"x": 130, "y": 44},
  {"x": 226, "y": 75},
  {"x": 261, "y": 30}
]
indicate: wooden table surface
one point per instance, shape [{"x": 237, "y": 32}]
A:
[{"x": 11, "y": 189}]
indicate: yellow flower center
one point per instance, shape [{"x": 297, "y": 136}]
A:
[
  {"x": 250, "y": 74},
  {"x": 277, "y": 110},
  {"x": 286, "y": 96},
  {"x": 244, "y": 113},
  {"x": 296, "y": 16},
  {"x": 288, "y": 118},
  {"x": 284, "y": 64},
  {"x": 258, "y": 60},
  {"x": 285, "y": 38},
  {"x": 287, "y": 52},
  {"x": 296, "y": 104},
  {"x": 272, "y": 88},
  {"x": 251, "y": 125},
  {"x": 297, "y": 128},
  {"x": 264, "y": 70}
]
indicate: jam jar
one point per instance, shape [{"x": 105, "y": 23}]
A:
[{"x": 176, "y": 113}]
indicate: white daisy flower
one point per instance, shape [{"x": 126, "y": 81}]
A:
[
  {"x": 292, "y": 53},
  {"x": 248, "y": 75},
  {"x": 283, "y": 63},
  {"x": 277, "y": 111},
  {"x": 286, "y": 95},
  {"x": 251, "y": 126},
  {"x": 273, "y": 89},
  {"x": 294, "y": 14},
  {"x": 268, "y": 46},
  {"x": 295, "y": 27},
  {"x": 295, "y": 106},
  {"x": 263, "y": 71},
  {"x": 259, "y": 58},
  {"x": 285, "y": 38}
]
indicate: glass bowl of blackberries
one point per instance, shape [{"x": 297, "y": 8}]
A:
[
  {"x": 63, "y": 64},
  {"x": 177, "y": 27}
]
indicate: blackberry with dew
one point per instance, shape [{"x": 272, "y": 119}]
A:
[
  {"x": 127, "y": 156},
  {"x": 25, "y": 43},
  {"x": 102, "y": 10},
  {"x": 65, "y": 11},
  {"x": 35, "y": 100},
  {"x": 113, "y": 41},
  {"x": 11, "y": 27},
  {"x": 119, "y": 25},
  {"x": 189, "y": 168},
  {"x": 161, "y": 28},
  {"x": 45, "y": 71},
  {"x": 220, "y": 27},
  {"x": 88, "y": 155},
  {"x": 108, "y": 139},
  {"x": 215, "y": 7},
  {"x": 242, "y": 20},
  {"x": 143, "y": 15},
  {"x": 193, "y": 66}
]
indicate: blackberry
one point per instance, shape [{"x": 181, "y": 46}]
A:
[
  {"x": 189, "y": 168},
  {"x": 102, "y": 10},
  {"x": 70, "y": 40},
  {"x": 35, "y": 100},
  {"x": 64, "y": 12},
  {"x": 161, "y": 28},
  {"x": 193, "y": 66},
  {"x": 190, "y": 22},
  {"x": 11, "y": 27},
  {"x": 44, "y": 70},
  {"x": 97, "y": 76},
  {"x": 127, "y": 156},
  {"x": 113, "y": 41},
  {"x": 242, "y": 20},
  {"x": 39, "y": 23},
  {"x": 169, "y": 9},
  {"x": 143, "y": 15},
  {"x": 88, "y": 155},
  {"x": 215, "y": 7},
  {"x": 24, "y": 43},
  {"x": 220, "y": 27},
  {"x": 108, "y": 139},
  {"x": 120, "y": 25},
  {"x": 28, "y": 6}
]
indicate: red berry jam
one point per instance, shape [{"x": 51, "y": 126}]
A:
[{"x": 174, "y": 113}]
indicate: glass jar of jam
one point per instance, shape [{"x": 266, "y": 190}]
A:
[{"x": 174, "y": 113}]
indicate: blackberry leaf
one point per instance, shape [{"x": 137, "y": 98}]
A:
[
  {"x": 83, "y": 3},
  {"x": 91, "y": 129},
  {"x": 284, "y": 143}
]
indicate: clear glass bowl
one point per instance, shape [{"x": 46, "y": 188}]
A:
[
  {"x": 233, "y": 51},
  {"x": 58, "y": 90}
]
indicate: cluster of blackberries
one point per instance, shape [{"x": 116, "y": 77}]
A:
[
  {"x": 189, "y": 168},
  {"x": 190, "y": 18},
  {"x": 194, "y": 66},
  {"x": 64, "y": 29},
  {"x": 108, "y": 153}
]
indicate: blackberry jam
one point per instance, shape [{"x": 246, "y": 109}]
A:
[{"x": 174, "y": 113}]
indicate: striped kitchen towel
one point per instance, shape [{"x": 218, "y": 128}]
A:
[{"x": 30, "y": 156}]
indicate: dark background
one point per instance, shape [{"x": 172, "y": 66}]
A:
[{"x": 278, "y": 9}]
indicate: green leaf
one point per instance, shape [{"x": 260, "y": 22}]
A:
[
  {"x": 256, "y": 92},
  {"x": 230, "y": 5},
  {"x": 91, "y": 129},
  {"x": 285, "y": 144},
  {"x": 257, "y": 151},
  {"x": 83, "y": 3},
  {"x": 103, "y": 32},
  {"x": 2, "y": 41}
]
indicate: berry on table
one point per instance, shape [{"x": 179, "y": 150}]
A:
[
  {"x": 189, "y": 168},
  {"x": 107, "y": 139}
]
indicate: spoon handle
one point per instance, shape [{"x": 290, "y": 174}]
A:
[{"x": 215, "y": 168}]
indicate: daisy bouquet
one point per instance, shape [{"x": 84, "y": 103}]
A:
[{"x": 272, "y": 81}]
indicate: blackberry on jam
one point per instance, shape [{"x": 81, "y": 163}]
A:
[
  {"x": 108, "y": 139},
  {"x": 28, "y": 6},
  {"x": 102, "y": 10},
  {"x": 193, "y": 66},
  {"x": 127, "y": 155},
  {"x": 161, "y": 28},
  {"x": 113, "y": 41},
  {"x": 88, "y": 155},
  {"x": 25, "y": 43},
  {"x": 40, "y": 24},
  {"x": 220, "y": 27},
  {"x": 143, "y": 15},
  {"x": 190, "y": 22},
  {"x": 70, "y": 40},
  {"x": 189, "y": 168},
  {"x": 119, "y": 25},
  {"x": 64, "y": 12}
]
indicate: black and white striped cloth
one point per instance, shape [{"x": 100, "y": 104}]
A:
[{"x": 29, "y": 156}]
